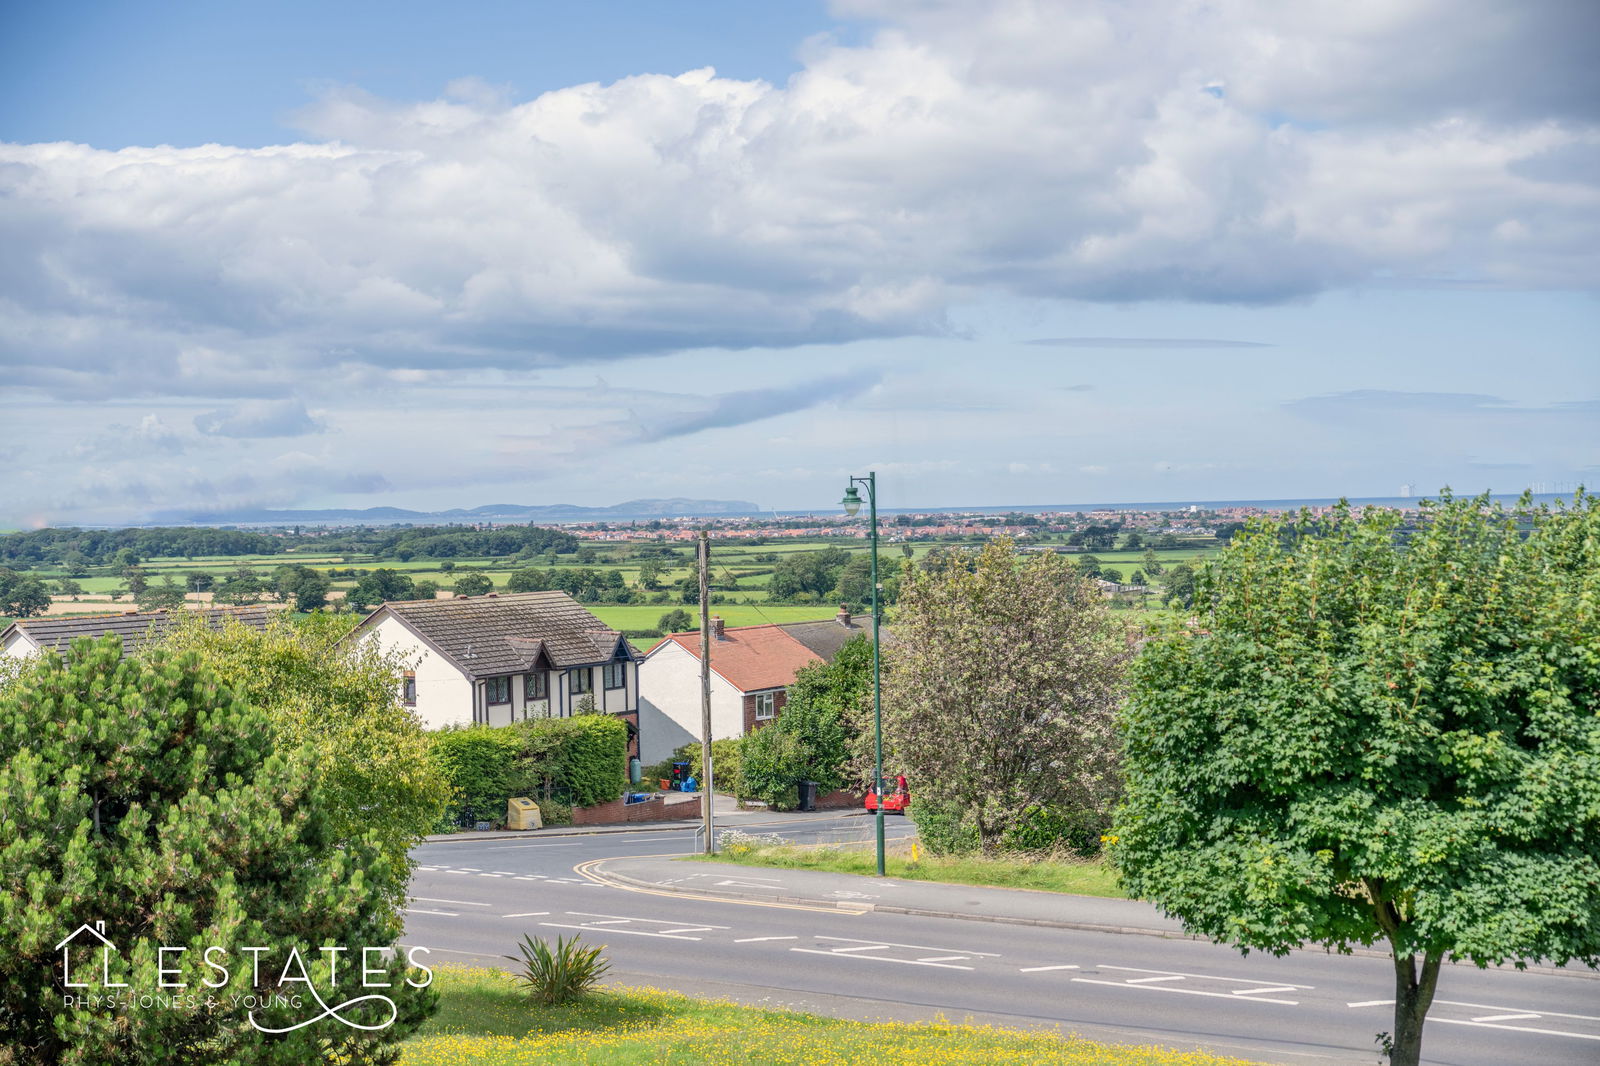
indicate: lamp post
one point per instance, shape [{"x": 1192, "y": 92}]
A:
[{"x": 852, "y": 504}]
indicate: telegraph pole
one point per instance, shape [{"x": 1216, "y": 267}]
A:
[{"x": 707, "y": 797}]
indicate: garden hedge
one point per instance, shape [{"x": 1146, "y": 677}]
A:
[{"x": 575, "y": 762}]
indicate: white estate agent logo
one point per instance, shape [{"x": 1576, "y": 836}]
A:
[{"x": 173, "y": 993}]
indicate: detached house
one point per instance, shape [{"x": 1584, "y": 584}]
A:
[
  {"x": 751, "y": 670},
  {"x": 29, "y": 636},
  {"x": 499, "y": 658}
]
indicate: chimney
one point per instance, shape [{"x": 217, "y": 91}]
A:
[
  {"x": 716, "y": 628},
  {"x": 843, "y": 617}
]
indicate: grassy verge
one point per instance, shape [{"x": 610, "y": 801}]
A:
[
  {"x": 484, "y": 1019},
  {"x": 1081, "y": 877}
]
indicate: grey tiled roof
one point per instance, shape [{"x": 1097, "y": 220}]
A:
[
  {"x": 497, "y": 634},
  {"x": 826, "y": 638},
  {"x": 133, "y": 627}
]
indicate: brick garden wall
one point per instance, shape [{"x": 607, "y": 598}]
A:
[
  {"x": 617, "y": 812},
  {"x": 841, "y": 800}
]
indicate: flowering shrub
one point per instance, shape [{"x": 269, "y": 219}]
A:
[{"x": 734, "y": 843}]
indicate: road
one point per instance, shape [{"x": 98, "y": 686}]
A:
[{"x": 473, "y": 901}]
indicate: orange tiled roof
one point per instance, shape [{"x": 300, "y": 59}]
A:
[{"x": 753, "y": 658}]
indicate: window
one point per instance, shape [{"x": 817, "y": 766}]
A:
[
  {"x": 580, "y": 681},
  {"x": 615, "y": 675},
  {"x": 408, "y": 689},
  {"x": 535, "y": 687},
  {"x": 766, "y": 706},
  {"x": 499, "y": 689}
]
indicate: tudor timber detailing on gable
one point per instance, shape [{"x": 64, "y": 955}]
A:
[{"x": 499, "y": 658}]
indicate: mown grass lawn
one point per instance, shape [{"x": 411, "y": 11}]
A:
[
  {"x": 1078, "y": 877},
  {"x": 483, "y": 1018}
]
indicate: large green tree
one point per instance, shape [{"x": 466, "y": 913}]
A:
[
  {"x": 240, "y": 588},
  {"x": 854, "y": 584},
  {"x": 1366, "y": 737},
  {"x": 1000, "y": 688},
  {"x": 528, "y": 579},
  {"x": 341, "y": 699},
  {"x": 813, "y": 573},
  {"x": 306, "y": 588},
  {"x": 166, "y": 596},
  {"x": 22, "y": 595},
  {"x": 144, "y": 794},
  {"x": 473, "y": 585},
  {"x": 810, "y": 740},
  {"x": 377, "y": 586}
]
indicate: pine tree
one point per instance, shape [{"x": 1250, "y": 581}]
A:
[{"x": 143, "y": 794}]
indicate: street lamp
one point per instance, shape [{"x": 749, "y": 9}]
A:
[{"x": 852, "y": 504}]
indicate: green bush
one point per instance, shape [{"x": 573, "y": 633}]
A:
[
  {"x": 143, "y": 793},
  {"x": 560, "y": 975},
  {"x": 483, "y": 766},
  {"x": 774, "y": 763},
  {"x": 589, "y": 764},
  {"x": 727, "y": 765},
  {"x": 339, "y": 698},
  {"x": 573, "y": 762},
  {"x": 554, "y": 812},
  {"x": 940, "y": 829},
  {"x": 1052, "y": 829}
]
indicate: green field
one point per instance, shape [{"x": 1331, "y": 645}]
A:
[
  {"x": 635, "y": 616},
  {"x": 734, "y": 573}
]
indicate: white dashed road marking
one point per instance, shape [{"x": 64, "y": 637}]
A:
[
  {"x": 1499, "y": 1014},
  {"x": 1165, "y": 981},
  {"x": 882, "y": 958}
]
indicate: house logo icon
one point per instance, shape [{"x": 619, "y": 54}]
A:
[{"x": 98, "y": 932}]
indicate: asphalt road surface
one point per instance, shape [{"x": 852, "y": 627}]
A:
[{"x": 473, "y": 901}]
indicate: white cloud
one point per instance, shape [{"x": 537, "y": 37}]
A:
[
  {"x": 259, "y": 418},
  {"x": 1034, "y": 149}
]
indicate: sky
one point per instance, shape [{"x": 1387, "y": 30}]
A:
[{"x": 306, "y": 255}]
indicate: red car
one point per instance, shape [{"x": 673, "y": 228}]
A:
[{"x": 895, "y": 800}]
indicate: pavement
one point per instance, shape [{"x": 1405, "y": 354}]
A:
[
  {"x": 725, "y": 812},
  {"x": 853, "y": 892}
]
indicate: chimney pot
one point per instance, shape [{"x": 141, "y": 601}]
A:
[
  {"x": 716, "y": 627},
  {"x": 843, "y": 617}
]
